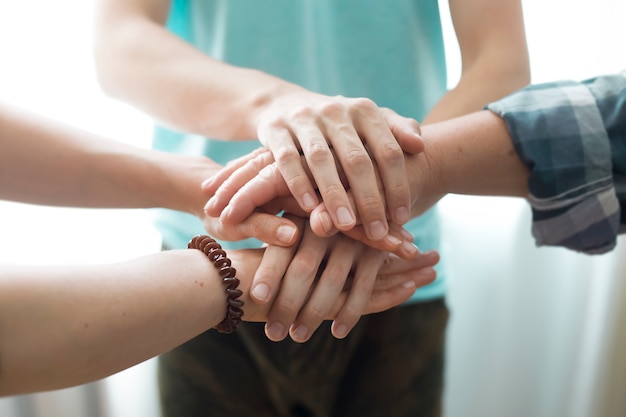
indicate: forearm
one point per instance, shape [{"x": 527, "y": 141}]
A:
[
  {"x": 472, "y": 154},
  {"x": 63, "y": 326},
  {"x": 494, "y": 56},
  {"x": 139, "y": 61},
  {"x": 570, "y": 136},
  {"x": 479, "y": 86},
  {"x": 46, "y": 162}
]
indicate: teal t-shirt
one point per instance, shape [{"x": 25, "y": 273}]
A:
[{"x": 389, "y": 51}]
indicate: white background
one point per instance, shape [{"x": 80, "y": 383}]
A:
[{"x": 556, "y": 306}]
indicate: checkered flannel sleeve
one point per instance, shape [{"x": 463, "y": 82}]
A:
[{"x": 572, "y": 137}]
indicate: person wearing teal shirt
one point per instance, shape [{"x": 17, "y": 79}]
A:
[{"x": 223, "y": 78}]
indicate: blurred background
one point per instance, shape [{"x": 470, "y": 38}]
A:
[{"x": 533, "y": 332}]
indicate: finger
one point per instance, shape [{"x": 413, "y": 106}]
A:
[
  {"x": 266, "y": 280},
  {"x": 382, "y": 300},
  {"x": 398, "y": 241},
  {"x": 211, "y": 184},
  {"x": 264, "y": 187},
  {"x": 390, "y": 290},
  {"x": 285, "y": 149},
  {"x": 358, "y": 168},
  {"x": 331, "y": 282},
  {"x": 322, "y": 166},
  {"x": 379, "y": 302},
  {"x": 236, "y": 180},
  {"x": 396, "y": 265},
  {"x": 389, "y": 159},
  {"x": 296, "y": 285},
  {"x": 407, "y": 131},
  {"x": 360, "y": 292},
  {"x": 396, "y": 282},
  {"x": 268, "y": 228}
]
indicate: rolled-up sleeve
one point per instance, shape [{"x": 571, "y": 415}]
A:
[{"x": 572, "y": 137}]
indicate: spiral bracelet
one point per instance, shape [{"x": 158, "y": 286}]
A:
[{"x": 217, "y": 255}]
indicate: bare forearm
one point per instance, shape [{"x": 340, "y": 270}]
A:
[
  {"x": 494, "y": 56},
  {"x": 46, "y": 162},
  {"x": 63, "y": 326},
  {"x": 472, "y": 154},
  {"x": 475, "y": 90},
  {"x": 139, "y": 61}
]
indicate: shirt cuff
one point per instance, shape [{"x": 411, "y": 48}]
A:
[{"x": 560, "y": 135}]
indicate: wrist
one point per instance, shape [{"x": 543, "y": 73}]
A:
[
  {"x": 426, "y": 176},
  {"x": 275, "y": 92}
]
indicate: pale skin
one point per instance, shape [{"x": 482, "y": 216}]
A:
[
  {"x": 79, "y": 169},
  {"x": 139, "y": 61},
  {"x": 66, "y": 325},
  {"x": 471, "y": 154}
]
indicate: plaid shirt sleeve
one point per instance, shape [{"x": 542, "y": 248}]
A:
[{"x": 572, "y": 137}]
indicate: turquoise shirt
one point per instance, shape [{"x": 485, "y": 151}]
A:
[{"x": 389, "y": 51}]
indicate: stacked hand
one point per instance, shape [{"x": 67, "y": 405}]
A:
[{"x": 329, "y": 164}]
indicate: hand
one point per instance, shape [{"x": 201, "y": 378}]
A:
[
  {"x": 367, "y": 142},
  {"x": 397, "y": 280},
  {"x": 303, "y": 282},
  {"x": 262, "y": 225},
  {"x": 254, "y": 181}
]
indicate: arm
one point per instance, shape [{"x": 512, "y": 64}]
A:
[
  {"x": 303, "y": 281},
  {"x": 560, "y": 145},
  {"x": 139, "y": 61},
  {"x": 471, "y": 154},
  {"x": 45, "y": 162},
  {"x": 494, "y": 55},
  {"x": 67, "y": 325}
]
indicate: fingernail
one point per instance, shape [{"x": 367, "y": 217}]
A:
[
  {"x": 410, "y": 248},
  {"x": 225, "y": 213},
  {"x": 300, "y": 333},
  {"x": 261, "y": 292},
  {"x": 285, "y": 233},
  {"x": 402, "y": 215},
  {"x": 392, "y": 240},
  {"x": 209, "y": 204},
  {"x": 309, "y": 201},
  {"x": 344, "y": 217},
  {"x": 377, "y": 230},
  {"x": 275, "y": 331},
  {"x": 326, "y": 221},
  {"x": 340, "y": 331}
]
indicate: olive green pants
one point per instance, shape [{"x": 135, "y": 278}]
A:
[{"x": 391, "y": 364}]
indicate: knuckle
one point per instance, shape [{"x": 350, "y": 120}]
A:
[
  {"x": 296, "y": 181},
  {"x": 316, "y": 313},
  {"x": 370, "y": 203},
  {"x": 285, "y": 307},
  {"x": 301, "y": 112},
  {"x": 364, "y": 104},
  {"x": 332, "y": 109},
  {"x": 333, "y": 192},
  {"x": 285, "y": 155},
  {"x": 362, "y": 286},
  {"x": 335, "y": 275},
  {"x": 318, "y": 153},
  {"x": 358, "y": 161},
  {"x": 391, "y": 152},
  {"x": 301, "y": 265}
]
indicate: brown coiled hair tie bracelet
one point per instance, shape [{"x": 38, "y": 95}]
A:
[{"x": 217, "y": 255}]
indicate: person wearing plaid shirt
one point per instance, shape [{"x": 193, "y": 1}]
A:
[
  {"x": 572, "y": 138},
  {"x": 560, "y": 145}
]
